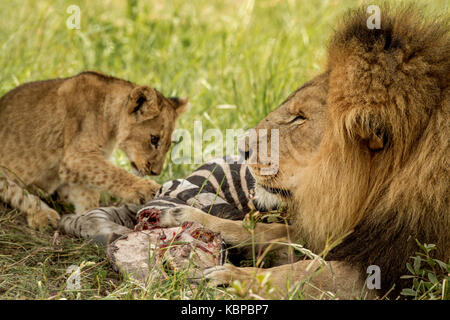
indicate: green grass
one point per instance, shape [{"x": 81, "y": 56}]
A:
[{"x": 248, "y": 54}]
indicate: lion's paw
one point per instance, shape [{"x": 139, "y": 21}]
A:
[
  {"x": 164, "y": 218},
  {"x": 222, "y": 275},
  {"x": 173, "y": 217}
]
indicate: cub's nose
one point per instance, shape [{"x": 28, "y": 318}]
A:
[{"x": 155, "y": 169}]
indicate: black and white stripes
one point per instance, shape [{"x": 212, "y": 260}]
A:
[{"x": 220, "y": 187}]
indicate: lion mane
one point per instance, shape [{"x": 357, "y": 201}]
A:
[{"x": 383, "y": 161}]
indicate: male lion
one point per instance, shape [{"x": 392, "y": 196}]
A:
[
  {"x": 56, "y": 135},
  {"x": 364, "y": 151}
]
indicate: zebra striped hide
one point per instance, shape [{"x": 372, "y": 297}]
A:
[{"x": 220, "y": 187}]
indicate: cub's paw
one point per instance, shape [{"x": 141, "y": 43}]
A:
[
  {"x": 41, "y": 218},
  {"x": 141, "y": 192}
]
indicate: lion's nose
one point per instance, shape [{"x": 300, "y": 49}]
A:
[
  {"x": 244, "y": 148},
  {"x": 246, "y": 153}
]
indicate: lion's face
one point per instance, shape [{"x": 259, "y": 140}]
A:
[
  {"x": 301, "y": 121},
  {"x": 146, "y": 128}
]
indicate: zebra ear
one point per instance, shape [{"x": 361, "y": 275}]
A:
[{"x": 181, "y": 104}]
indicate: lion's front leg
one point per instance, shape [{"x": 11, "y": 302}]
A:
[
  {"x": 77, "y": 169},
  {"x": 313, "y": 279},
  {"x": 232, "y": 232}
]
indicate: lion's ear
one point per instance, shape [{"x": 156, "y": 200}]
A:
[
  {"x": 143, "y": 103},
  {"x": 181, "y": 104},
  {"x": 369, "y": 129}
]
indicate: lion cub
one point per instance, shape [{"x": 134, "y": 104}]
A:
[{"x": 57, "y": 135}]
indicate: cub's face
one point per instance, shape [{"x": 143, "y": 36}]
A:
[
  {"x": 146, "y": 126},
  {"x": 300, "y": 122}
]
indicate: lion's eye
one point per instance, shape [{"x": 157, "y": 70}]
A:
[
  {"x": 154, "y": 140},
  {"x": 297, "y": 118}
]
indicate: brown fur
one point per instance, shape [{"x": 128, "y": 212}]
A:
[
  {"x": 367, "y": 161},
  {"x": 388, "y": 85},
  {"x": 56, "y": 135},
  {"x": 381, "y": 169}
]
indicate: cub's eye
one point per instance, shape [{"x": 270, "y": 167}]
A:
[
  {"x": 297, "y": 118},
  {"x": 154, "y": 140}
]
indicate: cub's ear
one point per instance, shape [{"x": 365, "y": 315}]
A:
[
  {"x": 181, "y": 104},
  {"x": 369, "y": 129},
  {"x": 143, "y": 103}
]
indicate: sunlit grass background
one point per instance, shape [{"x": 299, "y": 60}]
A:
[{"x": 246, "y": 54}]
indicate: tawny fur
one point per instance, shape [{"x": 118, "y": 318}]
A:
[
  {"x": 364, "y": 151},
  {"x": 57, "y": 135},
  {"x": 380, "y": 172},
  {"x": 382, "y": 167}
]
